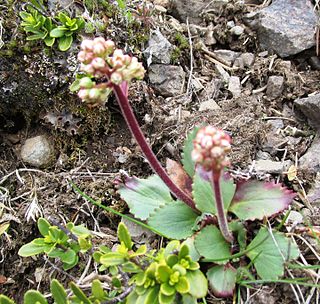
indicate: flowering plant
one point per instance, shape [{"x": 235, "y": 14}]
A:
[{"x": 210, "y": 210}]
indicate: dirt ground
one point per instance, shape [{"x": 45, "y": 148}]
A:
[{"x": 95, "y": 145}]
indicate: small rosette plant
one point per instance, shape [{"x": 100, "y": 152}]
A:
[{"x": 216, "y": 225}]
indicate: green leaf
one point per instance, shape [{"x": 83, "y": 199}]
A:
[
  {"x": 222, "y": 279},
  {"x": 3, "y": 227},
  {"x": 75, "y": 86},
  {"x": 163, "y": 273},
  {"x": 38, "y": 36},
  {"x": 204, "y": 196},
  {"x": 58, "y": 32},
  {"x": 198, "y": 283},
  {"x": 188, "y": 163},
  {"x": 188, "y": 299},
  {"x": 256, "y": 200},
  {"x": 32, "y": 248},
  {"x": 34, "y": 297},
  {"x": 43, "y": 226},
  {"x": 269, "y": 251},
  {"x": 49, "y": 41},
  {"x": 81, "y": 231},
  {"x": 58, "y": 292},
  {"x": 79, "y": 294},
  {"x": 211, "y": 245},
  {"x": 241, "y": 232},
  {"x": 130, "y": 267},
  {"x": 183, "y": 285},
  {"x": 97, "y": 290},
  {"x": 163, "y": 299},
  {"x": 67, "y": 266},
  {"x": 65, "y": 43},
  {"x": 5, "y": 300},
  {"x": 194, "y": 254},
  {"x": 68, "y": 256},
  {"x": 124, "y": 236},
  {"x": 143, "y": 196},
  {"x": 112, "y": 258},
  {"x": 167, "y": 289},
  {"x": 175, "y": 220}
]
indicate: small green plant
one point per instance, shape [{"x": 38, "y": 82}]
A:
[
  {"x": 63, "y": 28},
  {"x": 62, "y": 243},
  {"x": 169, "y": 275},
  {"x": 64, "y": 33}
]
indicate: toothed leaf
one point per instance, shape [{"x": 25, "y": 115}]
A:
[
  {"x": 203, "y": 192},
  {"x": 143, "y": 196},
  {"x": 211, "y": 245},
  {"x": 222, "y": 280},
  {"x": 269, "y": 251},
  {"x": 188, "y": 163},
  {"x": 256, "y": 200},
  {"x": 175, "y": 220}
]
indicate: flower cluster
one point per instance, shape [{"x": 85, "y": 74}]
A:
[
  {"x": 210, "y": 148},
  {"x": 99, "y": 58}
]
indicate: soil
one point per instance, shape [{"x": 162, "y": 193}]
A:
[{"x": 94, "y": 145}]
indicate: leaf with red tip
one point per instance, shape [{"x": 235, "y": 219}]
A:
[
  {"x": 143, "y": 196},
  {"x": 179, "y": 176},
  {"x": 222, "y": 280},
  {"x": 255, "y": 200}
]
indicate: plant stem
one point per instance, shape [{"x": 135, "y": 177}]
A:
[
  {"x": 222, "y": 219},
  {"x": 141, "y": 140}
]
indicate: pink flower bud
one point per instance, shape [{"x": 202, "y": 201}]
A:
[
  {"x": 87, "y": 45},
  {"x": 99, "y": 49},
  {"x": 109, "y": 45},
  {"x": 116, "y": 78},
  {"x": 210, "y": 148},
  {"x": 98, "y": 63},
  {"x": 82, "y": 56},
  {"x": 83, "y": 94},
  {"x": 94, "y": 94},
  {"x": 88, "y": 68}
]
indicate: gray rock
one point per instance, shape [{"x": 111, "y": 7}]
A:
[
  {"x": 237, "y": 30},
  {"x": 248, "y": 59},
  {"x": 227, "y": 56},
  {"x": 261, "y": 155},
  {"x": 311, "y": 160},
  {"x": 138, "y": 233},
  {"x": 276, "y": 124},
  {"x": 234, "y": 86},
  {"x": 159, "y": 49},
  {"x": 294, "y": 217},
  {"x": 192, "y": 9},
  {"x": 37, "y": 151},
  {"x": 310, "y": 107},
  {"x": 275, "y": 86},
  {"x": 223, "y": 73},
  {"x": 287, "y": 26},
  {"x": 208, "y": 105},
  {"x": 314, "y": 193},
  {"x": 167, "y": 80},
  {"x": 270, "y": 166}
]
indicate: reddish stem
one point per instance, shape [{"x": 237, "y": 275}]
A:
[
  {"x": 222, "y": 219},
  {"x": 141, "y": 140}
]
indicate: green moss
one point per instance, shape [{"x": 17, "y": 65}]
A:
[
  {"x": 181, "y": 41},
  {"x": 175, "y": 55}
]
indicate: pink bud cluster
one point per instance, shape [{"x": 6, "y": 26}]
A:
[
  {"x": 210, "y": 148},
  {"x": 99, "y": 58}
]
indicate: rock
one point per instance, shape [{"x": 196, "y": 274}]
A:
[
  {"x": 234, "y": 86},
  {"x": 314, "y": 193},
  {"x": 314, "y": 62},
  {"x": 208, "y": 105},
  {"x": 227, "y": 56},
  {"x": 159, "y": 49},
  {"x": 310, "y": 107},
  {"x": 294, "y": 217},
  {"x": 192, "y": 9},
  {"x": 209, "y": 38},
  {"x": 311, "y": 159},
  {"x": 270, "y": 166},
  {"x": 37, "y": 151},
  {"x": 275, "y": 86},
  {"x": 276, "y": 124},
  {"x": 261, "y": 155},
  {"x": 164, "y": 3},
  {"x": 138, "y": 234},
  {"x": 237, "y": 30},
  {"x": 223, "y": 73},
  {"x": 286, "y": 27},
  {"x": 167, "y": 80},
  {"x": 248, "y": 59}
]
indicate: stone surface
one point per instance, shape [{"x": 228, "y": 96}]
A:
[
  {"x": 234, "y": 86},
  {"x": 287, "y": 26},
  {"x": 167, "y": 80},
  {"x": 314, "y": 193},
  {"x": 227, "y": 56},
  {"x": 37, "y": 151},
  {"x": 237, "y": 30},
  {"x": 270, "y": 166},
  {"x": 311, "y": 159},
  {"x": 310, "y": 107},
  {"x": 192, "y": 9},
  {"x": 159, "y": 49},
  {"x": 275, "y": 86},
  {"x": 223, "y": 73},
  {"x": 208, "y": 105}
]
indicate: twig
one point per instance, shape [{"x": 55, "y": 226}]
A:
[{"x": 191, "y": 58}]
